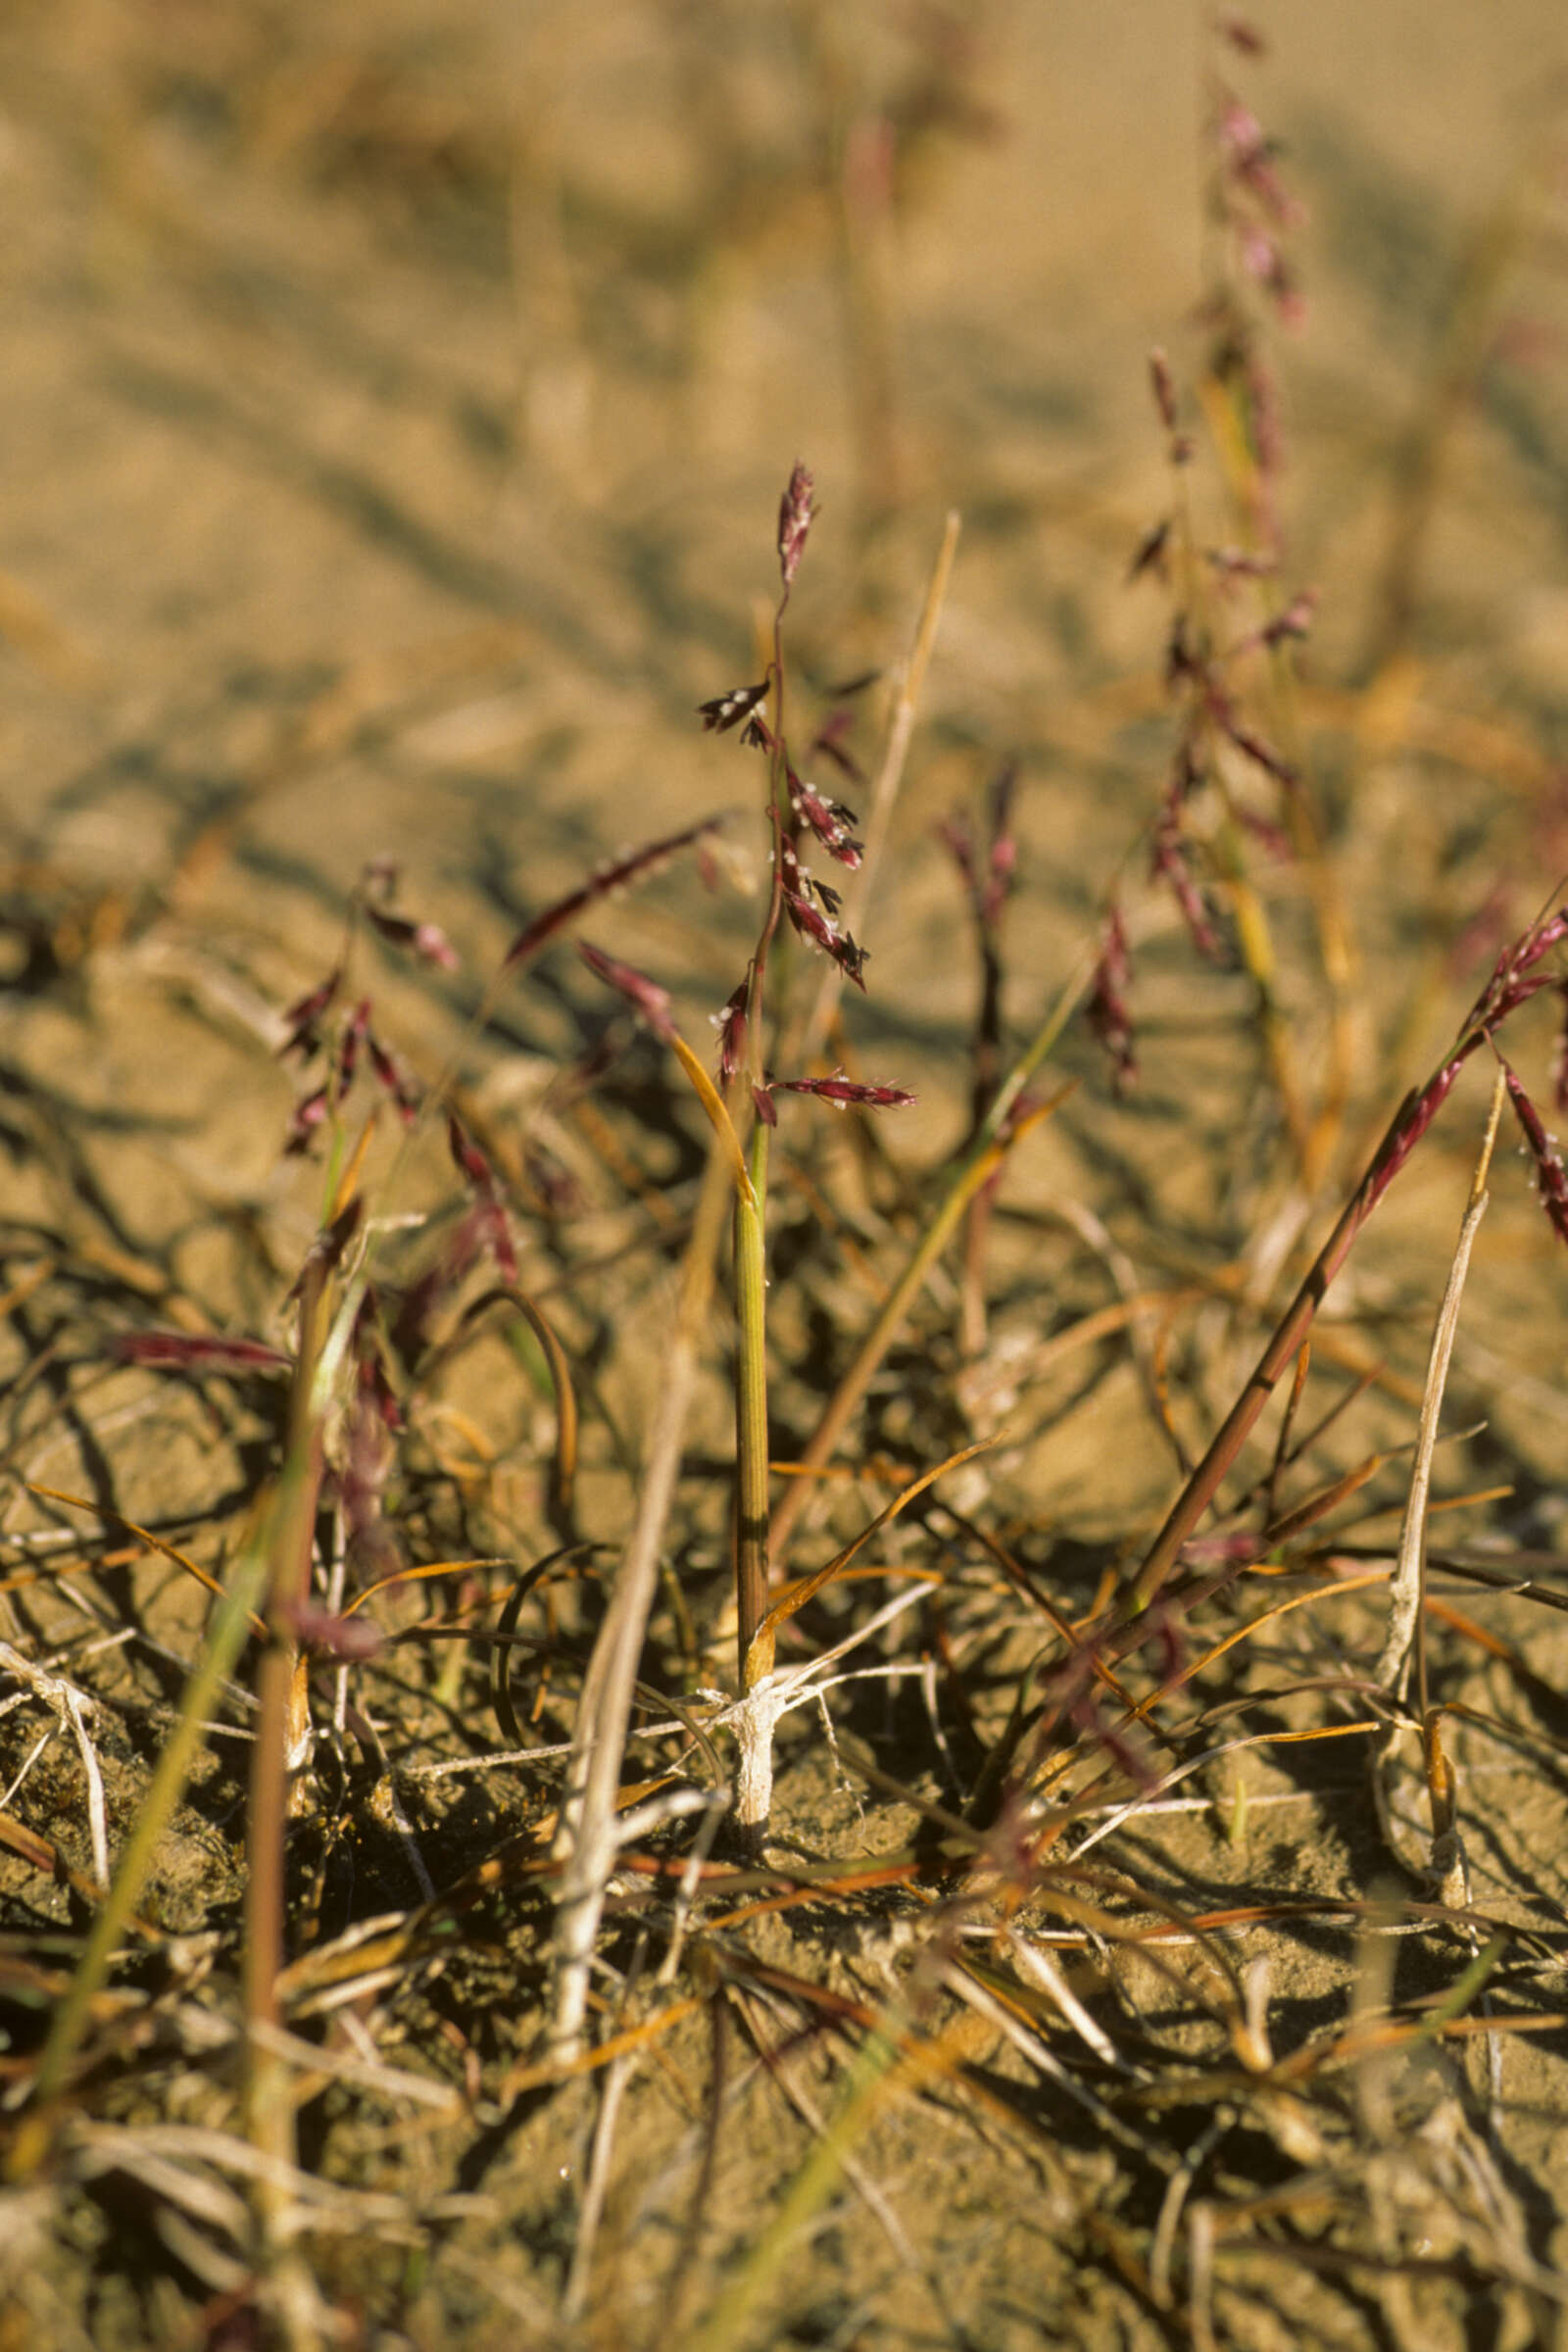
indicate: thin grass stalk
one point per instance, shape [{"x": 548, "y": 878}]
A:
[
  {"x": 753, "y": 1777},
  {"x": 268, "y": 2101},
  {"x": 751, "y": 1402},
  {"x": 585, "y": 1841},
  {"x": 888, "y": 778},
  {"x": 1406, "y": 1590},
  {"x": 750, "y": 1232}
]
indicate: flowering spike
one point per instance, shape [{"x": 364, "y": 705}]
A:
[
  {"x": 200, "y": 1350},
  {"x": 1241, "y": 564},
  {"x": 1513, "y": 979},
  {"x": 815, "y": 926},
  {"x": 647, "y": 998},
  {"x": 1551, "y": 1177},
  {"x": 349, "y": 1641},
  {"x": 841, "y": 1092},
  {"x": 427, "y": 940},
  {"x": 355, "y": 1032},
  {"x": 477, "y": 1171},
  {"x": 308, "y": 1113},
  {"x": 1150, "y": 554},
  {"x": 1003, "y": 841},
  {"x": 1108, "y": 1011},
  {"x": 1248, "y": 154},
  {"x": 400, "y": 1084},
  {"x": 303, "y": 1015},
  {"x": 727, "y": 709},
  {"x": 794, "y": 512},
  {"x": 1164, "y": 388},
  {"x": 1249, "y": 741},
  {"x": 829, "y": 821},
  {"x": 634, "y": 868},
  {"x": 731, "y": 1027},
  {"x": 1171, "y": 865}
]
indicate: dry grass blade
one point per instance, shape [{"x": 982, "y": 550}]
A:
[
  {"x": 1408, "y": 1583},
  {"x": 585, "y": 1841}
]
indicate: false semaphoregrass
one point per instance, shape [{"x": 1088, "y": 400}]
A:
[{"x": 1071, "y": 1707}]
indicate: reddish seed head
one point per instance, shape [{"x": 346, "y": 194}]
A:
[
  {"x": 841, "y": 1092},
  {"x": 348, "y": 1053},
  {"x": 645, "y": 994},
  {"x": 728, "y": 708},
  {"x": 426, "y": 940},
  {"x": 1551, "y": 1177},
  {"x": 309, "y": 1115},
  {"x": 1171, "y": 865},
  {"x": 477, "y": 1171},
  {"x": 1242, "y": 36},
  {"x": 200, "y": 1352},
  {"x": 433, "y": 945},
  {"x": 305, "y": 1012},
  {"x": 400, "y": 1084},
  {"x": 813, "y": 925},
  {"x": 349, "y": 1639},
  {"x": 1241, "y": 564},
  {"x": 1249, "y": 155},
  {"x": 794, "y": 512},
  {"x": 1165, "y": 388},
  {"x": 1418, "y": 1112},
  {"x": 829, "y": 821},
  {"x": 634, "y": 868},
  {"x": 1512, "y": 982},
  {"x": 731, "y": 1027},
  {"x": 1513, "y": 979},
  {"x": 1107, "y": 1011},
  {"x": 1247, "y": 740},
  {"x": 1295, "y": 621},
  {"x": 1150, "y": 552}
]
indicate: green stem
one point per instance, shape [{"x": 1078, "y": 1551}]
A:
[
  {"x": 269, "y": 2099},
  {"x": 751, "y": 1253},
  {"x": 751, "y": 1400}
]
